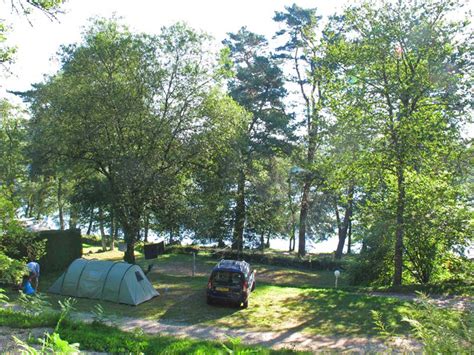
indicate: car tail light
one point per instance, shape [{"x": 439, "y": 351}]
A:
[
  {"x": 209, "y": 284},
  {"x": 245, "y": 287}
]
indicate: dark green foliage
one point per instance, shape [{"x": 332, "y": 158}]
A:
[
  {"x": 314, "y": 263},
  {"x": 22, "y": 244},
  {"x": 62, "y": 247},
  {"x": 319, "y": 262}
]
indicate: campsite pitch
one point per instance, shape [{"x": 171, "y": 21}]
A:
[{"x": 284, "y": 299}]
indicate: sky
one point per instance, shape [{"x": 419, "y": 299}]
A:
[{"x": 38, "y": 44}]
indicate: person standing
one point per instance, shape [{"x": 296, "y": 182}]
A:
[{"x": 34, "y": 269}]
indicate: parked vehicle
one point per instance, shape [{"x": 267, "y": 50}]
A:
[{"x": 232, "y": 281}]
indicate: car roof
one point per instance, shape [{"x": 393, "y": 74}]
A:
[{"x": 232, "y": 265}]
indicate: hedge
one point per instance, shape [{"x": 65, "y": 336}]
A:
[
  {"x": 62, "y": 247},
  {"x": 313, "y": 262}
]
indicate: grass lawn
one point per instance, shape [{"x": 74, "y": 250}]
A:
[
  {"x": 284, "y": 300},
  {"x": 103, "y": 338}
]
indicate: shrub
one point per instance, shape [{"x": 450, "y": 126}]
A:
[
  {"x": 11, "y": 270},
  {"x": 62, "y": 248},
  {"x": 311, "y": 262},
  {"x": 18, "y": 243},
  {"x": 442, "y": 331}
]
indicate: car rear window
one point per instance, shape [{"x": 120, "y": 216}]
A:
[{"x": 227, "y": 278}]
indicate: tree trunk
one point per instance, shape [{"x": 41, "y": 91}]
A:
[
  {"x": 146, "y": 226},
  {"x": 101, "y": 228},
  {"x": 129, "y": 255},
  {"x": 400, "y": 229},
  {"x": 60, "y": 203},
  {"x": 238, "y": 237},
  {"x": 303, "y": 218},
  {"x": 72, "y": 218},
  {"x": 291, "y": 247},
  {"x": 267, "y": 244},
  {"x": 262, "y": 241},
  {"x": 91, "y": 221},
  {"x": 131, "y": 229},
  {"x": 349, "y": 238},
  {"x": 112, "y": 230},
  {"x": 344, "y": 226},
  {"x": 28, "y": 209}
]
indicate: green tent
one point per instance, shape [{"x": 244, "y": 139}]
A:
[{"x": 105, "y": 280}]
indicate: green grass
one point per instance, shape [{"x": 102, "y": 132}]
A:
[
  {"x": 100, "y": 337},
  {"x": 14, "y": 319},
  {"x": 446, "y": 288},
  {"x": 284, "y": 300},
  {"x": 103, "y": 338}
]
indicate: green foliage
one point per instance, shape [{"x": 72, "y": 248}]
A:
[
  {"x": 34, "y": 305},
  {"x": 145, "y": 137},
  {"x": 413, "y": 210},
  {"x": 23, "y": 245},
  {"x": 440, "y": 330},
  {"x": 6, "y": 52},
  {"x": 3, "y": 297},
  {"x": 51, "y": 343},
  {"x": 100, "y": 337},
  {"x": 15, "y": 242},
  {"x": 15, "y": 319},
  {"x": 11, "y": 270},
  {"x": 62, "y": 247},
  {"x": 98, "y": 314}
]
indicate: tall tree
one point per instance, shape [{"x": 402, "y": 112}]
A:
[
  {"x": 216, "y": 175},
  {"x": 258, "y": 86},
  {"x": 304, "y": 49},
  {"x": 127, "y": 106},
  {"x": 414, "y": 66},
  {"x": 13, "y": 138}
]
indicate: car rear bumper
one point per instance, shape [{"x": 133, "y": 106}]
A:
[{"x": 234, "y": 297}]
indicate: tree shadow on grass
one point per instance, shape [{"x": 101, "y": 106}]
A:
[
  {"x": 192, "y": 308},
  {"x": 342, "y": 313}
]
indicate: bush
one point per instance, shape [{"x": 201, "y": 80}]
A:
[
  {"x": 19, "y": 243},
  {"x": 11, "y": 270},
  {"x": 62, "y": 248},
  {"x": 311, "y": 262},
  {"x": 442, "y": 331}
]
